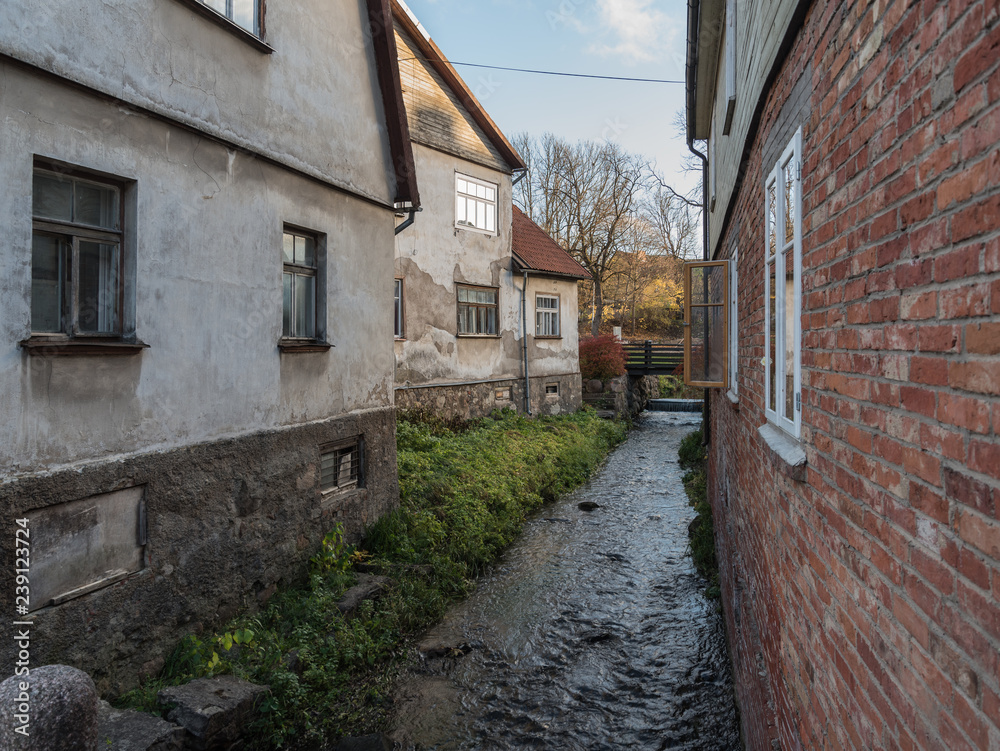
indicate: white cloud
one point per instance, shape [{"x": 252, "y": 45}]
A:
[{"x": 639, "y": 31}]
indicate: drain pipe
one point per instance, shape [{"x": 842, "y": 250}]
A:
[
  {"x": 694, "y": 11},
  {"x": 524, "y": 344},
  {"x": 412, "y": 217}
]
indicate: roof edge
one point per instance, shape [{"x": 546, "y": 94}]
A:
[
  {"x": 436, "y": 59},
  {"x": 387, "y": 65},
  {"x": 705, "y": 21},
  {"x": 524, "y": 266}
]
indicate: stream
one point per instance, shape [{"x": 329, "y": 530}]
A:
[{"x": 592, "y": 632}]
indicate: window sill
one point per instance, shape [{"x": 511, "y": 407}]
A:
[
  {"x": 233, "y": 28},
  {"x": 786, "y": 452},
  {"x": 477, "y": 230},
  {"x": 336, "y": 497},
  {"x": 478, "y": 336},
  {"x": 549, "y": 338},
  {"x": 51, "y": 347},
  {"x": 303, "y": 345}
]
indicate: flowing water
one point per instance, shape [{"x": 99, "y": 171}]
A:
[{"x": 593, "y": 631}]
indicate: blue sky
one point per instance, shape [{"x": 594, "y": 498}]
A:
[{"x": 630, "y": 38}]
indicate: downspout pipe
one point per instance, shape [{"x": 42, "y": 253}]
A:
[
  {"x": 524, "y": 344},
  {"x": 694, "y": 11},
  {"x": 410, "y": 219}
]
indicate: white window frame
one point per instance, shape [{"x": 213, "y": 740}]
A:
[
  {"x": 789, "y": 164},
  {"x": 488, "y": 223},
  {"x": 226, "y": 9},
  {"x": 734, "y": 391},
  {"x": 551, "y": 315}
]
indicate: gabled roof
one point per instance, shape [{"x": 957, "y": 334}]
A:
[
  {"x": 436, "y": 59},
  {"x": 387, "y": 64},
  {"x": 535, "y": 251}
]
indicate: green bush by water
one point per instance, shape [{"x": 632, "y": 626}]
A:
[
  {"x": 465, "y": 494},
  {"x": 691, "y": 456}
]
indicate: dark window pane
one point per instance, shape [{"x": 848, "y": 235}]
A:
[
  {"x": 48, "y": 278},
  {"x": 98, "y": 288},
  {"x": 52, "y": 197},
  {"x": 96, "y": 205},
  {"x": 305, "y": 306},
  {"x": 286, "y": 308}
]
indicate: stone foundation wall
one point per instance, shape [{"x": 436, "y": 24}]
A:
[
  {"x": 225, "y": 523},
  {"x": 479, "y": 399}
]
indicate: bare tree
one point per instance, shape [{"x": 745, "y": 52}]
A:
[{"x": 585, "y": 196}]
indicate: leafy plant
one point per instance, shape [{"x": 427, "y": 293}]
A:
[
  {"x": 701, "y": 532},
  {"x": 602, "y": 358}
]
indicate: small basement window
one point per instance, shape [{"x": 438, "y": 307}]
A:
[
  {"x": 342, "y": 466},
  {"x": 81, "y": 546},
  {"x": 551, "y": 389}
]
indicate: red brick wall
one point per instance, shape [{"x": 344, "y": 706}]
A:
[{"x": 863, "y": 605}]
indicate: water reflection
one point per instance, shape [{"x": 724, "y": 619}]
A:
[{"x": 593, "y": 632}]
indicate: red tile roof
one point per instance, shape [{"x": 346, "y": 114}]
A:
[{"x": 534, "y": 250}]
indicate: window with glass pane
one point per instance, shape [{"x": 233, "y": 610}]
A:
[
  {"x": 546, "y": 315},
  {"x": 477, "y": 310},
  {"x": 706, "y": 330},
  {"x": 783, "y": 290},
  {"x": 342, "y": 466},
  {"x": 299, "y": 285},
  {"x": 398, "y": 319},
  {"x": 475, "y": 204},
  {"x": 244, "y": 13},
  {"x": 76, "y": 256}
]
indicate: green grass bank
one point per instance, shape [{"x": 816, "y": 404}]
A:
[
  {"x": 692, "y": 458},
  {"x": 466, "y": 491}
]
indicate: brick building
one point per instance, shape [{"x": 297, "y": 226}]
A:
[{"x": 853, "y": 190}]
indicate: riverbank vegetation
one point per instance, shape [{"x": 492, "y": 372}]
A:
[
  {"x": 466, "y": 490},
  {"x": 693, "y": 459}
]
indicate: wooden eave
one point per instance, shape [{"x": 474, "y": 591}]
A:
[
  {"x": 434, "y": 57},
  {"x": 380, "y": 14},
  {"x": 703, "y": 70}
]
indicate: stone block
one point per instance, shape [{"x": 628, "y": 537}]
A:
[
  {"x": 55, "y": 705},
  {"x": 368, "y": 586},
  {"x": 215, "y": 711},
  {"x": 127, "y": 730}
]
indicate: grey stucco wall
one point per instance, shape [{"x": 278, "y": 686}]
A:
[
  {"x": 313, "y": 104},
  {"x": 228, "y": 521},
  {"x": 433, "y": 255},
  {"x": 208, "y": 291}
]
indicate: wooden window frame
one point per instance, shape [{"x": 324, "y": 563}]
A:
[
  {"x": 495, "y": 203},
  {"x": 292, "y": 341},
  {"x": 71, "y": 339},
  {"x": 399, "y": 309},
  {"x": 788, "y": 166},
  {"x": 336, "y": 449},
  {"x": 557, "y": 312},
  {"x": 482, "y": 306},
  {"x": 689, "y": 267}
]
